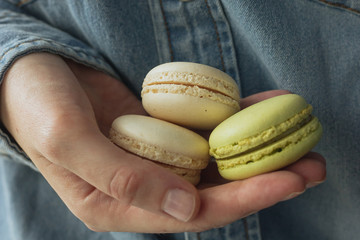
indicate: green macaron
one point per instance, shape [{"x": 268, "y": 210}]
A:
[{"x": 264, "y": 137}]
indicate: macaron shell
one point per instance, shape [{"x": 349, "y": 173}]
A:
[
  {"x": 190, "y": 94},
  {"x": 160, "y": 141},
  {"x": 256, "y": 119},
  {"x": 265, "y": 136},
  {"x": 189, "y": 111},
  {"x": 194, "y": 74},
  {"x": 271, "y": 158}
]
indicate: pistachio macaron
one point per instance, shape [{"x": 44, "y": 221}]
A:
[
  {"x": 176, "y": 148},
  {"x": 264, "y": 137},
  {"x": 190, "y": 94}
]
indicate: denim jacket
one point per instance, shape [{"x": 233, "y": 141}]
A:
[{"x": 310, "y": 47}]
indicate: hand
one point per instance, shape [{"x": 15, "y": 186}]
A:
[{"x": 60, "y": 113}]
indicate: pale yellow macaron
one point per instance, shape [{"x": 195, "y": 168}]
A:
[
  {"x": 264, "y": 137},
  {"x": 176, "y": 148},
  {"x": 190, "y": 94}
]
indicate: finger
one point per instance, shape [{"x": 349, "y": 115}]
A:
[
  {"x": 132, "y": 180},
  {"x": 248, "y": 196},
  {"x": 250, "y": 100},
  {"x": 101, "y": 212},
  {"x": 231, "y": 201},
  {"x": 312, "y": 167}
]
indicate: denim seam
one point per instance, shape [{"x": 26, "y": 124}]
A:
[
  {"x": 217, "y": 35},
  {"x": 339, "y": 5},
  {"x": 45, "y": 40},
  {"x": 101, "y": 64},
  {"x": 167, "y": 31}
]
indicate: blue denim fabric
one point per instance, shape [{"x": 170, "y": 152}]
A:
[{"x": 310, "y": 47}]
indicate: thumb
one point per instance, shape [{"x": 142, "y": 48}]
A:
[{"x": 131, "y": 180}]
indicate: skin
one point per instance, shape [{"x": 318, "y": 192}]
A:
[{"x": 60, "y": 113}]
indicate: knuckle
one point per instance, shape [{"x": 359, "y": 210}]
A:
[
  {"x": 125, "y": 185},
  {"x": 58, "y": 135}
]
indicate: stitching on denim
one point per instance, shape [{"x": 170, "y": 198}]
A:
[
  {"x": 167, "y": 31},
  {"x": 45, "y": 40},
  {"x": 217, "y": 35},
  {"x": 80, "y": 59},
  {"x": 246, "y": 228},
  {"x": 16, "y": 46},
  {"x": 340, "y": 6}
]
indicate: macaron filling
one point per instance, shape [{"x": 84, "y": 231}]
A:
[
  {"x": 157, "y": 154},
  {"x": 271, "y": 148},
  {"x": 184, "y": 172},
  {"x": 192, "y": 90},
  {"x": 265, "y": 137},
  {"x": 226, "y": 87}
]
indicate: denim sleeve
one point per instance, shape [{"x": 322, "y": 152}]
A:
[{"x": 21, "y": 34}]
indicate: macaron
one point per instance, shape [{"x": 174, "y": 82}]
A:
[
  {"x": 193, "y": 95},
  {"x": 176, "y": 148},
  {"x": 264, "y": 137}
]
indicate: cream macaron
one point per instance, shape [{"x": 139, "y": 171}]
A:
[
  {"x": 190, "y": 94},
  {"x": 264, "y": 137},
  {"x": 178, "y": 149}
]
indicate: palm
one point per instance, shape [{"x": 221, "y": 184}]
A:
[{"x": 108, "y": 96}]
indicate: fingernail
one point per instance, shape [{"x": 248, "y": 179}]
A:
[
  {"x": 313, "y": 184},
  {"x": 293, "y": 195},
  {"x": 179, "y": 204}
]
